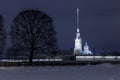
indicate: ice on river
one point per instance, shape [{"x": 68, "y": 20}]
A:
[{"x": 88, "y": 72}]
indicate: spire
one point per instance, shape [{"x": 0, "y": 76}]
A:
[
  {"x": 78, "y": 40},
  {"x": 77, "y": 19}
]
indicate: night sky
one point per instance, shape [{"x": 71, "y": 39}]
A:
[{"x": 99, "y": 20}]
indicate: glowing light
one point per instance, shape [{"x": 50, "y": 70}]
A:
[{"x": 78, "y": 41}]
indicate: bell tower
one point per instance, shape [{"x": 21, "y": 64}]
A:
[{"x": 78, "y": 40}]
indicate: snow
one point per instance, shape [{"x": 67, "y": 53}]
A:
[{"x": 88, "y": 72}]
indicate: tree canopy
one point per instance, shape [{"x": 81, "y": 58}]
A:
[
  {"x": 3, "y": 35},
  {"x": 33, "y": 30}
]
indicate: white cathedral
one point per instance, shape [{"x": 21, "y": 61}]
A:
[{"x": 78, "y": 42}]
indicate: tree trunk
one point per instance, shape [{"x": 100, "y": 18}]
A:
[{"x": 31, "y": 56}]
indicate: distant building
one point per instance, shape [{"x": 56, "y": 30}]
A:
[
  {"x": 78, "y": 41},
  {"x": 86, "y": 49}
]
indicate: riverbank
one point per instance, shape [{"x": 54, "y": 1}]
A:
[{"x": 58, "y": 63}]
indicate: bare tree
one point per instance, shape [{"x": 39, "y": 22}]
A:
[
  {"x": 33, "y": 30},
  {"x": 2, "y": 35}
]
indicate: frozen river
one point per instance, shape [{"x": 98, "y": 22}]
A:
[{"x": 89, "y": 72}]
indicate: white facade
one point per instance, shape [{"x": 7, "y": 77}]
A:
[
  {"x": 86, "y": 49},
  {"x": 78, "y": 41},
  {"x": 78, "y": 44}
]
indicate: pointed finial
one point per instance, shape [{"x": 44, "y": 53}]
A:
[
  {"x": 77, "y": 18},
  {"x": 77, "y": 9}
]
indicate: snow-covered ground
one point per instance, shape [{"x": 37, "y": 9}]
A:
[{"x": 89, "y": 72}]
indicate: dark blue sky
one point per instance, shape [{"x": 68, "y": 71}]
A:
[{"x": 99, "y": 20}]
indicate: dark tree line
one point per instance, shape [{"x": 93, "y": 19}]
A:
[
  {"x": 2, "y": 36},
  {"x": 110, "y": 53},
  {"x": 33, "y": 30}
]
